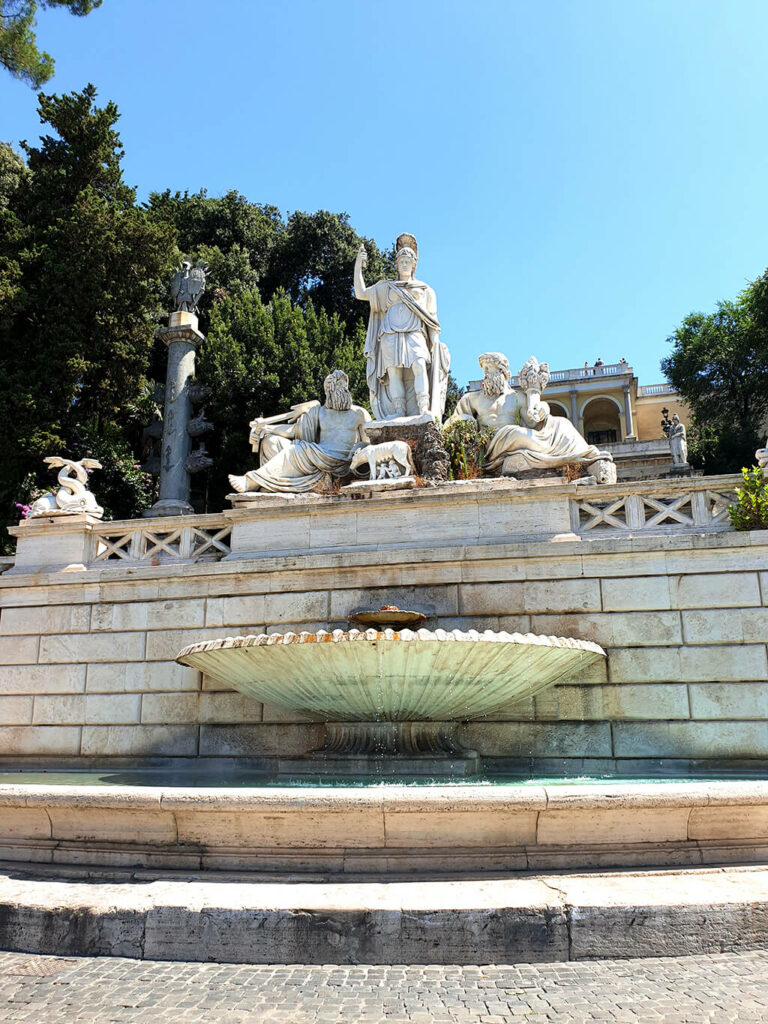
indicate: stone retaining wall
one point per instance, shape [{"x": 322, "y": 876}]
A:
[{"x": 87, "y": 665}]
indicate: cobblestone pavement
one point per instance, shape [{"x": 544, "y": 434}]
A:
[{"x": 687, "y": 990}]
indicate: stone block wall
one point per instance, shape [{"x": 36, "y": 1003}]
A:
[{"x": 87, "y": 669}]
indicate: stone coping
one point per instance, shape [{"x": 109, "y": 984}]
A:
[
  {"x": 470, "y": 797},
  {"x": 406, "y": 554},
  {"x": 474, "y": 490}
]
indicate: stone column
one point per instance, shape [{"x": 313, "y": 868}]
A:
[
  {"x": 574, "y": 408},
  {"x": 182, "y": 338},
  {"x": 629, "y": 434}
]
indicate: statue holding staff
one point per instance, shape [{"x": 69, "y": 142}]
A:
[{"x": 407, "y": 364}]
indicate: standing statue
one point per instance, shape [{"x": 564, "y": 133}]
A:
[
  {"x": 407, "y": 364},
  {"x": 296, "y": 456},
  {"x": 761, "y": 455},
  {"x": 678, "y": 442},
  {"x": 72, "y": 496},
  {"x": 526, "y": 435},
  {"x": 187, "y": 285}
]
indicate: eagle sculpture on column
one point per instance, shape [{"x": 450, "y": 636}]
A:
[{"x": 187, "y": 286}]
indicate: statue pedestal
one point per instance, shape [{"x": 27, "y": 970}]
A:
[
  {"x": 429, "y": 454},
  {"x": 55, "y": 543},
  {"x": 182, "y": 319}
]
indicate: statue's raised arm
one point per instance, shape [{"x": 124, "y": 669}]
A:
[
  {"x": 361, "y": 261},
  {"x": 407, "y": 364}
]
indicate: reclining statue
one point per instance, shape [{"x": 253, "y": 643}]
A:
[
  {"x": 296, "y": 456},
  {"x": 526, "y": 435}
]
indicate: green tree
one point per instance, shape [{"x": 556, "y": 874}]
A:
[
  {"x": 18, "y": 47},
  {"x": 719, "y": 364},
  {"x": 314, "y": 258},
  {"x": 236, "y": 237},
  {"x": 310, "y": 256},
  {"x": 13, "y": 171},
  {"x": 82, "y": 269},
  {"x": 259, "y": 358}
]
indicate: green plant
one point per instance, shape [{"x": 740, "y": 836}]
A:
[
  {"x": 466, "y": 444},
  {"x": 751, "y": 510}
]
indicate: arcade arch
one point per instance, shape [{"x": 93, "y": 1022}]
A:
[{"x": 601, "y": 418}]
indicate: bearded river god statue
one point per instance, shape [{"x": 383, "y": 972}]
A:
[
  {"x": 407, "y": 364},
  {"x": 311, "y": 442},
  {"x": 526, "y": 435}
]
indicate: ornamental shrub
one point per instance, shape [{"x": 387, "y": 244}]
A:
[
  {"x": 751, "y": 510},
  {"x": 466, "y": 444}
]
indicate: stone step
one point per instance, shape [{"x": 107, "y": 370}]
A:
[{"x": 239, "y": 918}]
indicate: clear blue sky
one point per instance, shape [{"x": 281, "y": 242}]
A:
[{"x": 580, "y": 174}]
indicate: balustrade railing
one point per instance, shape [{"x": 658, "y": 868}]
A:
[
  {"x": 655, "y": 389},
  {"x": 694, "y": 509},
  {"x": 578, "y": 373},
  {"x": 153, "y": 544}
]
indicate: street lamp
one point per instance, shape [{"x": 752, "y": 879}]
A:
[{"x": 666, "y": 422}]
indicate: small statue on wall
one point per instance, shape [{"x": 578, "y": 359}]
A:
[
  {"x": 73, "y": 496},
  {"x": 678, "y": 442}
]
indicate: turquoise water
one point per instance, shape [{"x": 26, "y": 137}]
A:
[{"x": 243, "y": 778}]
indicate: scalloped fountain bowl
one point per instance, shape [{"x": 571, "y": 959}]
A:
[{"x": 403, "y": 689}]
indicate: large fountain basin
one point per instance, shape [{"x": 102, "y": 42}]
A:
[{"x": 396, "y": 676}]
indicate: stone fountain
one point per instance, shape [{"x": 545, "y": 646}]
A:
[{"x": 389, "y": 691}]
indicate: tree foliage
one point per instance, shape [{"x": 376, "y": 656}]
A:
[
  {"x": 259, "y": 358},
  {"x": 80, "y": 266},
  {"x": 84, "y": 282},
  {"x": 310, "y": 256},
  {"x": 719, "y": 364},
  {"x": 19, "y": 53}
]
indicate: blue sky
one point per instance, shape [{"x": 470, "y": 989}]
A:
[{"x": 580, "y": 174}]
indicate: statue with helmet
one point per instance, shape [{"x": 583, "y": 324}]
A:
[{"x": 406, "y": 363}]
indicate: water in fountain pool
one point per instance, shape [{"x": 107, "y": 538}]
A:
[{"x": 198, "y": 777}]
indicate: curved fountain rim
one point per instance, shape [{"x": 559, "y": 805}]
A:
[{"x": 337, "y": 636}]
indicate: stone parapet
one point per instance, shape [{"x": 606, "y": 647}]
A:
[
  {"x": 386, "y": 830},
  {"x": 469, "y": 513}
]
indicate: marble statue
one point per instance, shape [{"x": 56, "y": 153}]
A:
[
  {"x": 678, "y": 442},
  {"x": 296, "y": 456},
  {"x": 72, "y": 497},
  {"x": 761, "y": 455},
  {"x": 187, "y": 285},
  {"x": 388, "y": 460},
  {"x": 407, "y": 364},
  {"x": 526, "y": 435}
]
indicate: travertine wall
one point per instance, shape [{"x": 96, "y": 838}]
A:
[{"x": 88, "y": 670}]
